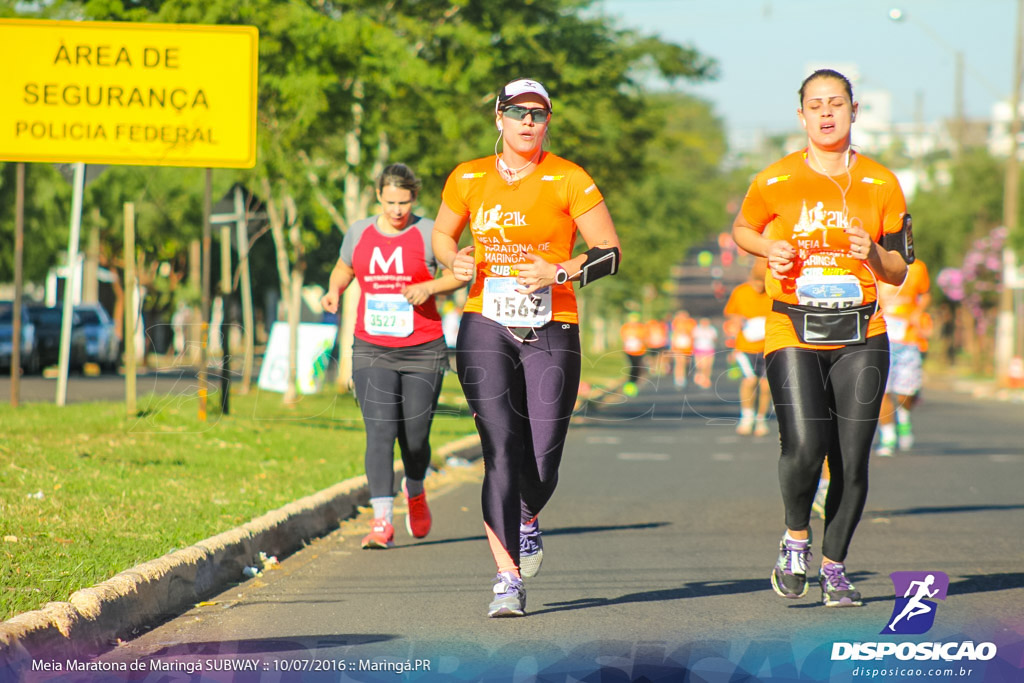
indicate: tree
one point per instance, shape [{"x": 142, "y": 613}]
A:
[
  {"x": 346, "y": 85},
  {"x": 677, "y": 198},
  {"x": 948, "y": 217},
  {"x": 47, "y": 208}
]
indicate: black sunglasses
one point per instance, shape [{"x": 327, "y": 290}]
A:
[{"x": 518, "y": 113}]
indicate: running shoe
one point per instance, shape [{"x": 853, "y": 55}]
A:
[
  {"x": 836, "y": 589},
  {"x": 381, "y": 536},
  {"x": 905, "y": 436},
  {"x": 886, "y": 448},
  {"x": 761, "y": 427},
  {"x": 789, "y": 577},
  {"x": 417, "y": 520},
  {"x": 531, "y": 550},
  {"x": 509, "y": 596},
  {"x": 746, "y": 426},
  {"x": 818, "y": 505}
]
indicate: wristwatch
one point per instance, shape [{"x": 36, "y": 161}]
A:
[{"x": 561, "y": 274}]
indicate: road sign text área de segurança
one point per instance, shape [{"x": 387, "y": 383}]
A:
[{"x": 127, "y": 93}]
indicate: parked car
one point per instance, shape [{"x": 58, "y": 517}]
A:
[
  {"x": 102, "y": 344},
  {"x": 29, "y": 351},
  {"x": 47, "y": 322}
]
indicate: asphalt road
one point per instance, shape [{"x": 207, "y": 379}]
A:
[
  {"x": 107, "y": 387},
  {"x": 658, "y": 547}
]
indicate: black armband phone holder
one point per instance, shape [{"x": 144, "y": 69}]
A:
[
  {"x": 901, "y": 241},
  {"x": 600, "y": 262}
]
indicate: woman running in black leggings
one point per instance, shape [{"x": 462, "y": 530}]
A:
[
  {"x": 399, "y": 355},
  {"x": 518, "y": 351},
  {"x": 819, "y": 216}
]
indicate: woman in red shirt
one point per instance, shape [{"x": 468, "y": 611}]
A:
[{"x": 399, "y": 349}]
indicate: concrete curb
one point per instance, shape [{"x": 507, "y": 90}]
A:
[{"x": 94, "y": 618}]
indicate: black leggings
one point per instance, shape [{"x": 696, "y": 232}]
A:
[
  {"x": 827, "y": 402},
  {"x": 396, "y": 405},
  {"x": 522, "y": 395},
  {"x": 636, "y": 367}
]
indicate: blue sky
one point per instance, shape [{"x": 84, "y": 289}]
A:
[{"x": 763, "y": 48}]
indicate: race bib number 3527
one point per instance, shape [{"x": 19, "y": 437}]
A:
[{"x": 388, "y": 315}]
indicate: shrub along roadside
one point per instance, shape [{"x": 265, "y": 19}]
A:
[{"x": 86, "y": 493}]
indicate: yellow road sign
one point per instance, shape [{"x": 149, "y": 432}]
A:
[{"x": 127, "y": 93}]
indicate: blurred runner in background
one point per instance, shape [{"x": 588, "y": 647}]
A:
[{"x": 748, "y": 307}]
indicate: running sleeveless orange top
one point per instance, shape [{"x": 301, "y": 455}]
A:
[
  {"x": 901, "y": 304},
  {"x": 753, "y": 306},
  {"x": 789, "y": 201},
  {"x": 536, "y": 214}
]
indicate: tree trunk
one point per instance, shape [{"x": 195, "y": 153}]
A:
[
  {"x": 353, "y": 211},
  {"x": 277, "y": 221},
  {"x": 295, "y": 299},
  {"x": 90, "y": 273}
]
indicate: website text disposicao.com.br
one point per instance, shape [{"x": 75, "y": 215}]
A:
[
  {"x": 916, "y": 672},
  {"x": 948, "y": 660}
]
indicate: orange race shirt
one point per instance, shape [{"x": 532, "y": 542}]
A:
[
  {"x": 788, "y": 201},
  {"x": 753, "y": 306},
  {"x": 633, "y": 335},
  {"x": 901, "y": 305},
  {"x": 536, "y": 214},
  {"x": 657, "y": 334},
  {"x": 682, "y": 333}
]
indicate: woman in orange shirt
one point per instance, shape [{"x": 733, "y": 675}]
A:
[
  {"x": 748, "y": 306},
  {"x": 819, "y": 216},
  {"x": 681, "y": 339},
  {"x": 519, "y": 343},
  {"x": 634, "y": 343}
]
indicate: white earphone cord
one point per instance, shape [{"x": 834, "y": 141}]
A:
[
  {"x": 510, "y": 175},
  {"x": 842, "y": 192}
]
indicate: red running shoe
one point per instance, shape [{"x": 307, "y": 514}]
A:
[
  {"x": 417, "y": 521},
  {"x": 381, "y": 536}
]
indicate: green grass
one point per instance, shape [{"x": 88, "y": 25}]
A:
[
  {"x": 86, "y": 492},
  {"x": 606, "y": 368}
]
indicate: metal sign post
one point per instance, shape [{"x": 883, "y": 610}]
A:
[
  {"x": 69, "y": 283},
  {"x": 131, "y": 308},
  {"x": 19, "y": 257},
  {"x": 242, "y": 237},
  {"x": 141, "y": 94},
  {"x": 204, "y": 328}
]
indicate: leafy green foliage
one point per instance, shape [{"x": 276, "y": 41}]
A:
[
  {"x": 677, "y": 198},
  {"x": 415, "y": 81},
  {"x": 47, "y": 209},
  {"x": 949, "y": 217}
]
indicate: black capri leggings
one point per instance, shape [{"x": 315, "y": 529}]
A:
[
  {"x": 522, "y": 395},
  {"x": 827, "y": 402},
  {"x": 396, "y": 405}
]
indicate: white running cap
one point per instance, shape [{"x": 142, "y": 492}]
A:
[{"x": 521, "y": 87}]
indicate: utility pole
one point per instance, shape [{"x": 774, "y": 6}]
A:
[
  {"x": 959, "y": 118},
  {"x": 1004, "y": 350}
]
